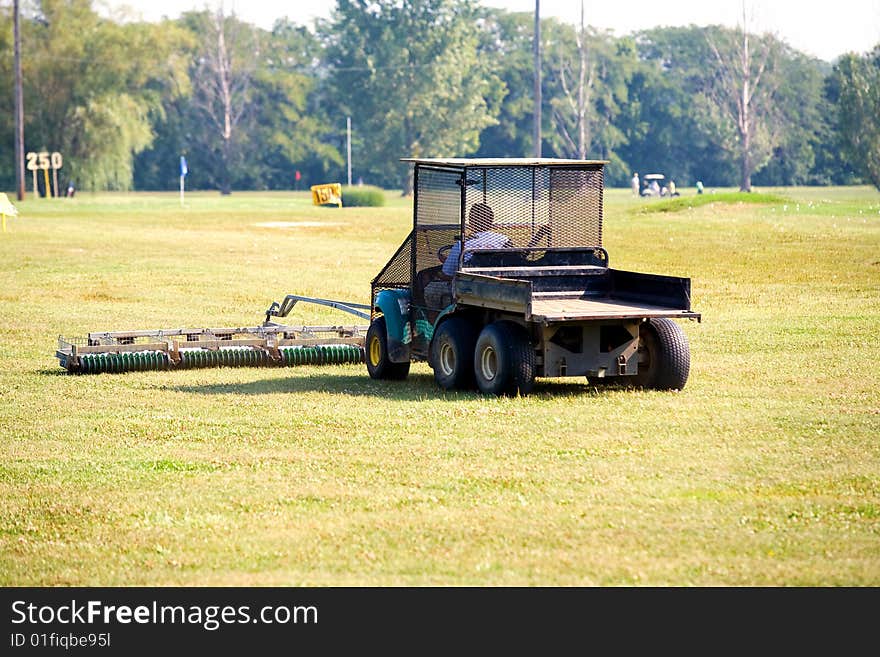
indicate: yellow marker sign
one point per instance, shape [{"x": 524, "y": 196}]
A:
[
  {"x": 6, "y": 209},
  {"x": 327, "y": 194}
]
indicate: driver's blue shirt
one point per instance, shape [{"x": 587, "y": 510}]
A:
[{"x": 484, "y": 240}]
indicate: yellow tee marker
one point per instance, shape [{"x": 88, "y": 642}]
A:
[{"x": 327, "y": 194}]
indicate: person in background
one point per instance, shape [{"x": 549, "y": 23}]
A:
[
  {"x": 699, "y": 187},
  {"x": 635, "y": 184}
]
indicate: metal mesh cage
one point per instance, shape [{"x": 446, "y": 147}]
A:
[
  {"x": 540, "y": 206},
  {"x": 397, "y": 274},
  {"x": 535, "y": 205}
]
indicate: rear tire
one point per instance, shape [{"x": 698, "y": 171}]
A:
[
  {"x": 378, "y": 364},
  {"x": 664, "y": 356},
  {"x": 504, "y": 360},
  {"x": 452, "y": 354}
]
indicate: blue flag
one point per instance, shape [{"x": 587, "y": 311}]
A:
[{"x": 183, "y": 169}]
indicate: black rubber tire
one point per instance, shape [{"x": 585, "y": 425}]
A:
[
  {"x": 664, "y": 356},
  {"x": 452, "y": 354},
  {"x": 504, "y": 360},
  {"x": 376, "y": 347}
]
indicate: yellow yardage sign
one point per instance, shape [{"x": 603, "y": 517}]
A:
[{"x": 326, "y": 194}]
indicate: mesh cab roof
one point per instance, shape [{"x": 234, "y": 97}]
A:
[{"x": 459, "y": 162}]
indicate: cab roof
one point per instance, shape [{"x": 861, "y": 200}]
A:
[{"x": 499, "y": 161}]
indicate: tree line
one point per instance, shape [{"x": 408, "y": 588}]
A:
[{"x": 249, "y": 107}]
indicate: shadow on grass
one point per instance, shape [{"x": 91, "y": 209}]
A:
[{"x": 416, "y": 387}]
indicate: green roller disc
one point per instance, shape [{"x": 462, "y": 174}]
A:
[
  {"x": 298, "y": 356},
  {"x": 85, "y": 364},
  {"x": 284, "y": 356},
  {"x": 126, "y": 362}
]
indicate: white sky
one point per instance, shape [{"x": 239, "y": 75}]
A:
[{"x": 823, "y": 29}]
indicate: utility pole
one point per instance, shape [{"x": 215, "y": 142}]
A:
[
  {"x": 348, "y": 145},
  {"x": 19, "y": 108},
  {"x": 537, "y": 132}
]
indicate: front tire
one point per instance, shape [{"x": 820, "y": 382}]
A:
[
  {"x": 452, "y": 354},
  {"x": 378, "y": 364},
  {"x": 504, "y": 360},
  {"x": 664, "y": 356}
]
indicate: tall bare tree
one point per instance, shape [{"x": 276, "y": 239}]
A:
[
  {"x": 743, "y": 94},
  {"x": 222, "y": 83},
  {"x": 570, "y": 109}
]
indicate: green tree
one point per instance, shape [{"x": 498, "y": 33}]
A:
[
  {"x": 409, "y": 74},
  {"x": 858, "y": 111},
  {"x": 92, "y": 98},
  {"x": 506, "y": 44}
]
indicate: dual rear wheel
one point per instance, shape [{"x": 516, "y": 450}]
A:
[{"x": 499, "y": 360}]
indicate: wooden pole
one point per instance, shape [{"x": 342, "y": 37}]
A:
[
  {"x": 348, "y": 145},
  {"x": 537, "y": 131},
  {"x": 19, "y": 109}
]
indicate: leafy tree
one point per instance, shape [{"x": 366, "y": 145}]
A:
[
  {"x": 83, "y": 97},
  {"x": 408, "y": 72},
  {"x": 858, "y": 111},
  {"x": 665, "y": 127},
  {"x": 506, "y": 41}
]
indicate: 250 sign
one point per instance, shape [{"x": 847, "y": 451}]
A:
[{"x": 43, "y": 160}]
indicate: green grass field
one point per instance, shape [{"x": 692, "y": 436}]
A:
[{"x": 765, "y": 470}]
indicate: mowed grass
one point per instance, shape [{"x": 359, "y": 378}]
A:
[{"x": 764, "y": 470}]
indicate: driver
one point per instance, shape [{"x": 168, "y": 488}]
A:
[{"x": 481, "y": 236}]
